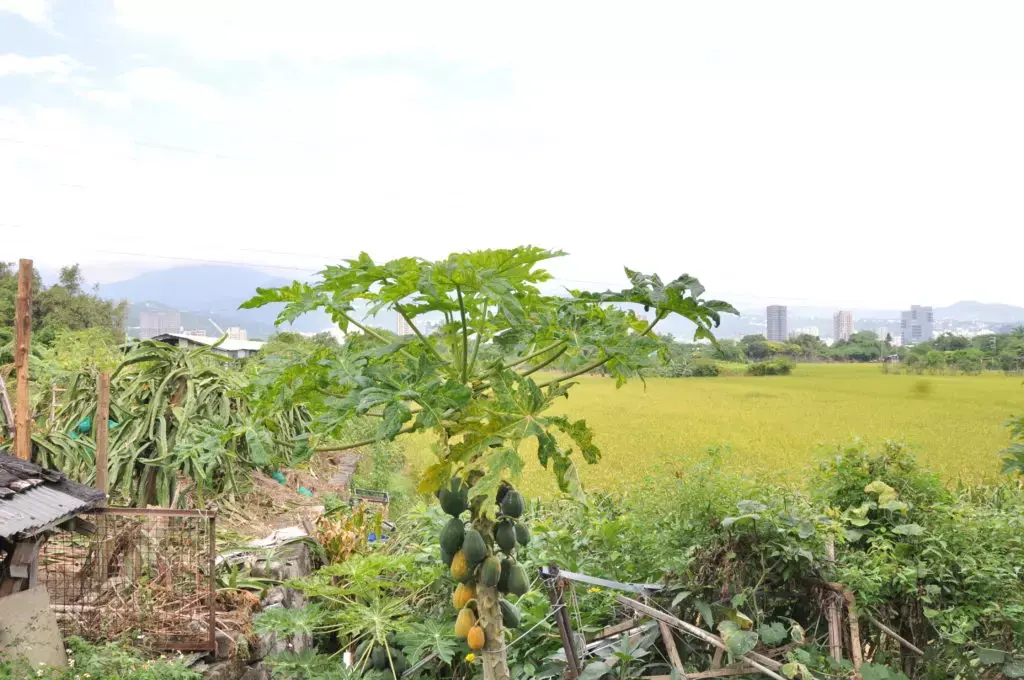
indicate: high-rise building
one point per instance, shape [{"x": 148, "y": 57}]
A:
[
  {"x": 402, "y": 327},
  {"x": 237, "y": 333},
  {"x": 777, "y": 323},
  {"x": 916, "y": 325},
  {"x": 842, "y": 325},
  {"x": 152, "y": 324}
]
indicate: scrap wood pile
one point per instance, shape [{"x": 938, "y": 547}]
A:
[
  {"x": 137, "y": 577},
  {"x": 738, "y": 649}
]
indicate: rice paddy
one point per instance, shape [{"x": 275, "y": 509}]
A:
[{"x": 782, "y": 425}]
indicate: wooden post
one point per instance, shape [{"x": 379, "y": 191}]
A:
[
  {"x": 832, "y": 615},
  {"x": 102, "y": 432},
  {"x": 670, "y": 647},
  {"x": 23, "y": 337}
]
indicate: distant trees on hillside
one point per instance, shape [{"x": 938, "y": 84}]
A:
[{"x": 66, "y": 305}]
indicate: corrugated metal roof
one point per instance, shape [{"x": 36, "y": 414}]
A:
[
  {"x": 228, "y": 345},
  {"x": 37, "y": 508}
]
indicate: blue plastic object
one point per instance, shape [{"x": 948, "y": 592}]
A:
[
  {"x": 279, "y": 478},
  {"x": 305, "y": 492},
  {"x": 85, "y": 424}
]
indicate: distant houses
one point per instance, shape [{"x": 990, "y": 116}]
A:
[{"x": 231, "y": 347}]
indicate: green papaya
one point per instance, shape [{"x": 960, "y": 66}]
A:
[
  {"x": 446, "y": 557},
  {"x": 509, "y": 614},
  {"x": 455, "y": 497},
  {"x": 379, "y": 658},
  {"x": 517, "y": 582},
  {"x": 522, "y": 534},
  {"x": 490, "y": 572},
  {"x": 452, "y": 535},
  {"x": 474, "y": 548},
  {"x": 512, "y": 504},
  {"x": 506, "y": 567},
  {"x": 505, "y": 535},
  {"x": 361, "y": 650}
]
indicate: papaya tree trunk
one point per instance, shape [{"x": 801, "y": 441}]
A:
[{"x": 493, "y": 656}]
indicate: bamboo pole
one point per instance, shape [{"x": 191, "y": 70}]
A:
[
  {"x": 23, "y": 339},
  {"x": 894, "y": 635}
]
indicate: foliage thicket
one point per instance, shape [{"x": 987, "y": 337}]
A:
[
  {"x": 742, "y": 557},
  {"x": 183, "y": 422}
]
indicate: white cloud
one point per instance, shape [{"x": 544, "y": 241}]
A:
[
  {"x": 167, "y": 86},
  {"x": 808, "y": 151},
  {"x": 36, "y": 11},
  {"x": 56, "y": 69}
]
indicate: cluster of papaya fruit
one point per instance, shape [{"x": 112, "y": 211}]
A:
[
  {"x": 473, "y": 559},
  {"x": 378, "y": 657}
]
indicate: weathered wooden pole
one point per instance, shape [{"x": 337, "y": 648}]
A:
[
  {"x": 23, "y": 338},
  {"x": 102, "y": 431}
]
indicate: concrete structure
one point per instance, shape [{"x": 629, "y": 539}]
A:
[
  {"x": 236, "y": 333},
  {"x": 917, "y": 325},
  {"x": 806, "y": 330},
  {"x": 402, "y": 327},
  {"x": 842, "y": 325},
  {"x": 152, "y": 324},
  {"x": 777, "y": 323},
  {"x": 236, "y": 349}
]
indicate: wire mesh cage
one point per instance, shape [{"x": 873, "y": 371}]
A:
[{"x": 145, "y": 573}]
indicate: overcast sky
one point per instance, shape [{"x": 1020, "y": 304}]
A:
[{"x": 855, "y": 154}]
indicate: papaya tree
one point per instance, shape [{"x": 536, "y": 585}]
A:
[{"x": 483, "y": 411}]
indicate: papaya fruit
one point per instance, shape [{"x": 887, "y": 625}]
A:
[
  {"x": 474, "y": 548},
  {"x": 461, "y": 570},
  {"x": 512, "y": 504},
  {"x": 476, "y": 638},
  {"x": 465, "y": 621},
  {"x": 506, "y": 567},
  {"x": 522, "y": 534},
  {"x": 455, "y": 497},
  {"x": 463, "y": 594},
  {"x": 452, "y": 535},
  {"x": 517, "y": 582},
  {"x": 502, "y": 490},
  {"x": 509, "y": 614},
  {"x": 505, "y": 535},
  {"x": 361, "y": 650},
  {"x": 379, "y": 658},
  {"x": 446, "y": 557},
  {"x": 490, "y": 572}
]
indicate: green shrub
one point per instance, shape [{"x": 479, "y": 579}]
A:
[
  {"x": 773, "y": 367},
  {"x": 702, "y": 368},
  {"x": 111, "y": 661}
]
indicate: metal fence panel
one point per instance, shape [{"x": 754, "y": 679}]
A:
[{"x": 147, "y": 573}]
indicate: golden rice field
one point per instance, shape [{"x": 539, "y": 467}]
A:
[{"x": 781, "y": 425}]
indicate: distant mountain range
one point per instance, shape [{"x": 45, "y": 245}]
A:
[{"x": 205, "y": 292}]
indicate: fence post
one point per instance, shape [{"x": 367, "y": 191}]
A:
[
  {"x": 212, "y": 596},
  {"x": 550, "y": 577},
  {"x": 23, "y": 338}
]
